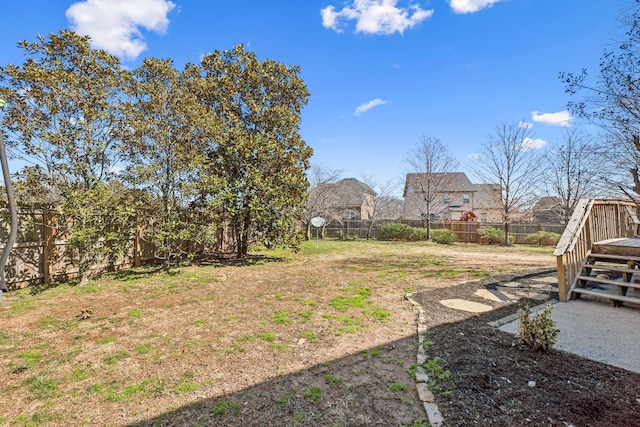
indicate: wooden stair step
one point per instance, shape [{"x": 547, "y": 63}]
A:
[
  {"x": 611, "y": 268},
  {"x": 614, "y": 257},
  {"x": 605, "y": 295},
  {"x": 608, "y": 281}
]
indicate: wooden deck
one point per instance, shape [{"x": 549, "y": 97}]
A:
[
  {"x": 612, "y": 270},
  {"x": 620, "y": 246}
]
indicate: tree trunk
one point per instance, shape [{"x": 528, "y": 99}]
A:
[
  {"x": 243, "y": 236},
  {"x": 84, "y": 269},
  {"x": 506, "y": 233},
  {"x": 370, "y": 229}
]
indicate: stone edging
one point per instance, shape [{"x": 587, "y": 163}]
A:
[{"x": 422, "y": 377}]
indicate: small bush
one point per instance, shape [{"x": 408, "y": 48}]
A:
[
  {"x": 542, "y": 238},
  {"x": 352, "y": 235},
  {"x": 539, "y": 332},
  {"x": 404, "y": 232},
  {"x": 492, "y": 235},
  {"x": 443, "y": 236}
]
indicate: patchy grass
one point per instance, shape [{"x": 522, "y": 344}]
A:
[
  {"x": 281, "y": 317},
  {"x": 223, "y": 407},
  {"x": 398, "y": 386},
  {"x": 41, "y": 386},
  {"x": 157, "y": 342},
  {"x": 30, "y": 357},
  {"x": 314, "y": 395},
  {"x": 268, "y": 336}
]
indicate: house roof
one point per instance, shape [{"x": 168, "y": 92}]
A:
[
  {"x": 344, "y": 193},
  {"x": 449, "y": 182}
]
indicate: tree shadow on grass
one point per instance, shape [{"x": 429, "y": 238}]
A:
[
  {"x": 373, "y": 387},
  {"x": 136, "y": 273},
  {"x": 227, "y": 259}
]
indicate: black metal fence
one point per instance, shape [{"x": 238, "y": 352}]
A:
[{"x": 467, "y": 232}]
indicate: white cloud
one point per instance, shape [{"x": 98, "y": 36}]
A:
[
  {"x": 471, "y": 6},
  {"x": 369, "y": 105},
  {"x": 473, "y": 156},
  {"x": 375, "y": 16},
  {"x": 525, "y": 125},
  {"x": 529, "y": 144},
  {"x": 561, "y": 118},
  {"x": 114, "y": 25}
]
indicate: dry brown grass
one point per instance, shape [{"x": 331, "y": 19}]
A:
[{"x": 227, "y": 344}]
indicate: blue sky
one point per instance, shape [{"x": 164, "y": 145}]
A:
[{"x": 380, "y": 72}]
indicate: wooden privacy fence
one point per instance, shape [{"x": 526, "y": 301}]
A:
[
  {"x": 592, "y": 221},
  {"x": 467, "y": 232},
  {"x": 40, "y": 256}
]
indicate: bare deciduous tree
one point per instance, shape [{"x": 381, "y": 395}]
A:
[
  {"x": 384, "y": 192},
  {"x": 431, "y": 161},
  {"x": 317, "y": 204},
  {"x": 611, "y": 99},
  {"x": 510, "y": 158},
  {"x": 572, "y": 171}
]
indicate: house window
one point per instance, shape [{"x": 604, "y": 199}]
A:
[
  {"x": 465, "y": 198},
  {"x": 349, "y": 215},
  {"x": 483, "y": 217},
  {"x": 447, "y": 198},
  {"x": 410, "y": 189}
]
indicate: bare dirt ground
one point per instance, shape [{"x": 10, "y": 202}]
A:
[{"x": 324, "y": 337}]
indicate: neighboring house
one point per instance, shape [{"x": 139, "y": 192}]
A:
[
  {"x": 548, "y": 210},
  {"x": 390, "y": 209},
  {"x": 453, "y": 195},
  {"x": 347, "y": 199}
]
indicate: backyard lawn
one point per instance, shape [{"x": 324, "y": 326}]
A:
[{"x": 321, "y": 337}]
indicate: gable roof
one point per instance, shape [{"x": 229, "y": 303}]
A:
[
  {"x": 346, "y": 192},
  {"x": 448, "y": 182}
]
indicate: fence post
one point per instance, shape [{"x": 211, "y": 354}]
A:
[
  {"x": 48, "y": 244},
  {"x": 137, "y": 249}
]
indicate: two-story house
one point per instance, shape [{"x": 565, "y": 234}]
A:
[
  {"x": 447, "y": 196},
  {"x": 347, "y": 199}
]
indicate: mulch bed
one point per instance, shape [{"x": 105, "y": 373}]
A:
[{"x": 496, "y": 382}]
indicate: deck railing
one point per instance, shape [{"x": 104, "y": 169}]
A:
[{"x": 592, "y": 220}]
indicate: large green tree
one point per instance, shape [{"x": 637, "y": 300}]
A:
[
  {"x": 164, "y": 127},
  {"x": 256, "y": 160},
  {"x": 63, "y": 111}
]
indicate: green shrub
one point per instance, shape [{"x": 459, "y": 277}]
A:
[
  {"x": 443, "y": 236},
  {"x": 542, "y": 238},
  {"x": 342, "y": 236},
  {"x": 397, "y": 231},
  {"x": 539, "y": 332},
  {"x": 492, "y": 235}
]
